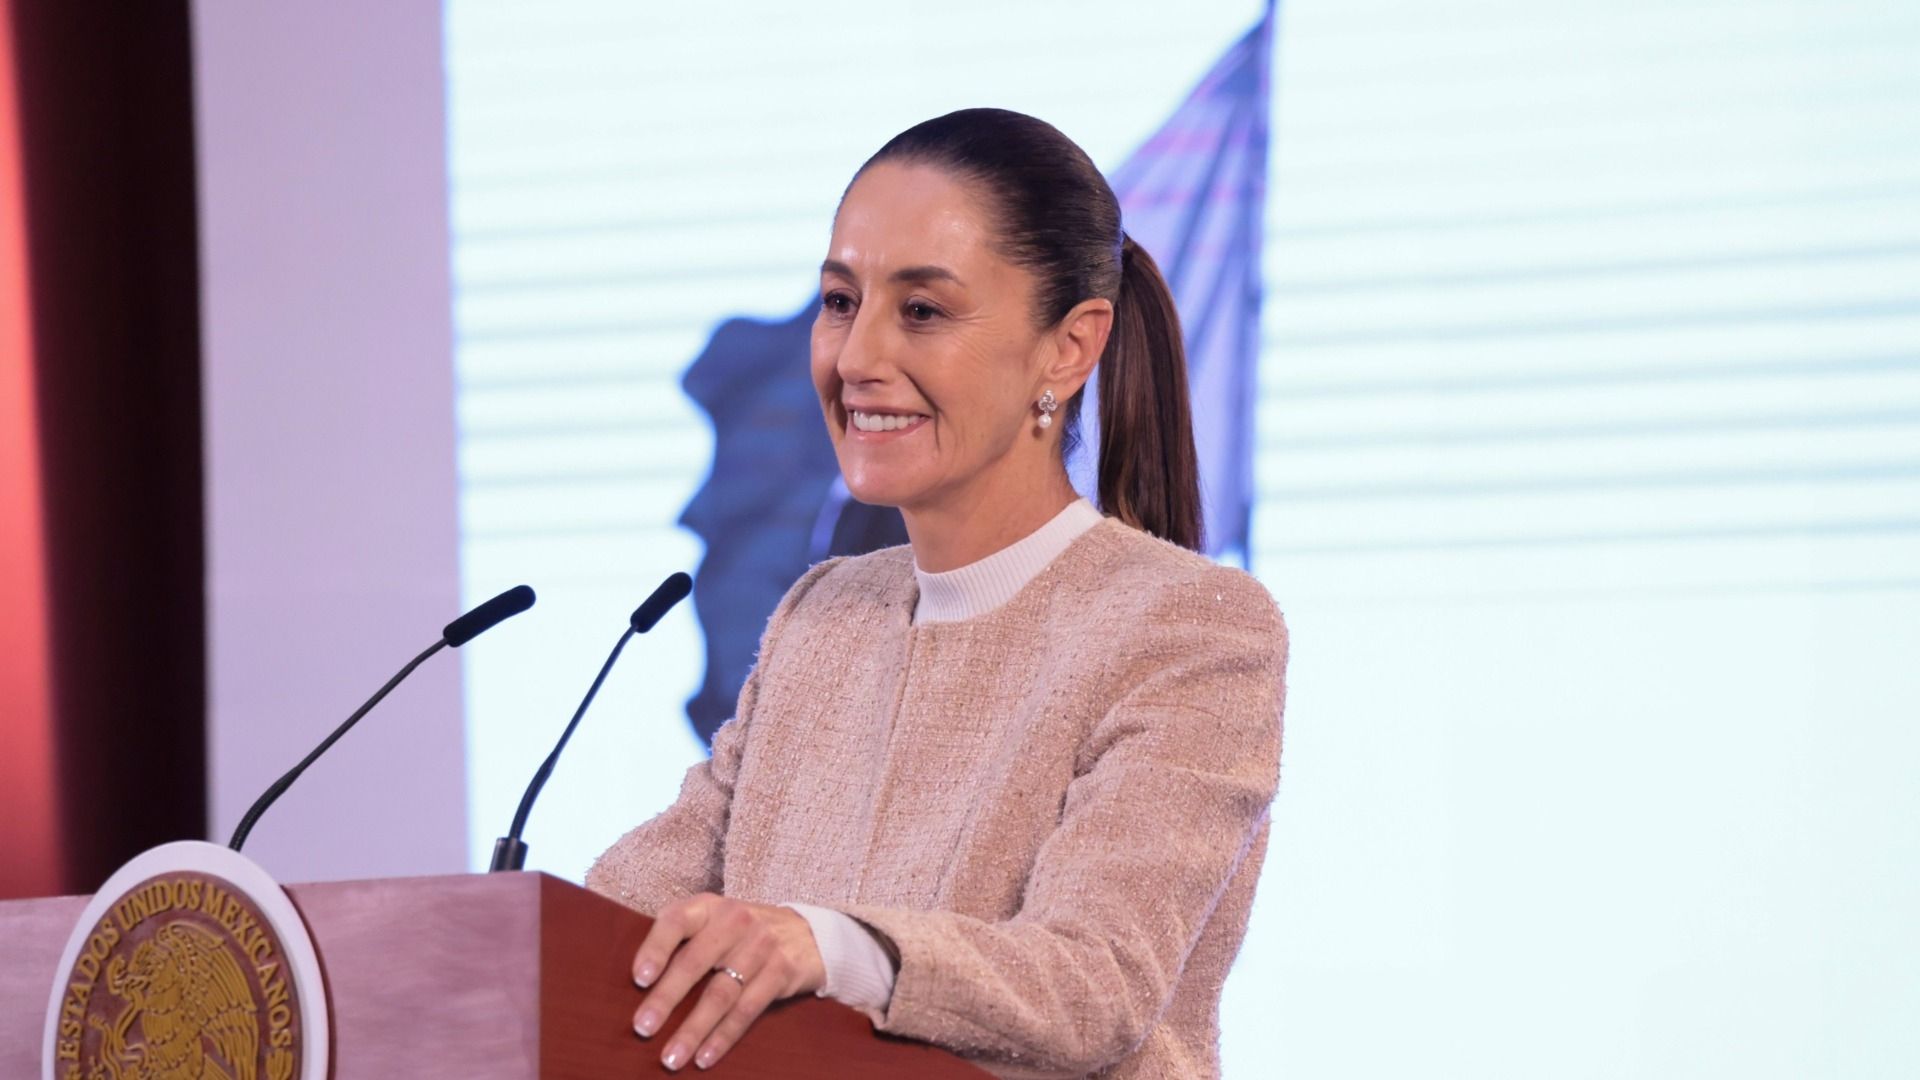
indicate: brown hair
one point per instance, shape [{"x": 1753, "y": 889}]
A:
[{"x": 1059, "y": 218}]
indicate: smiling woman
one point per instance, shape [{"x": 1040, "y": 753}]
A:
[{"x": 1005, "y": 789}]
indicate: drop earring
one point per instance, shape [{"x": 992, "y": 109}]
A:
[{"x": 1047, "y": 406}]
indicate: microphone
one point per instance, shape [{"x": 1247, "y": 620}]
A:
[
  {"x": 509, "y": 853},
  {"x": 457, "y": 633},
  {"x": 487, "y": 616}
]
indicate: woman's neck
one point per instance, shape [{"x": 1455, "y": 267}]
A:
[{"x": 973, "y": 524}]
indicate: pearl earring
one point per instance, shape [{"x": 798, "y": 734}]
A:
[{"x": 1047, "y": 405}]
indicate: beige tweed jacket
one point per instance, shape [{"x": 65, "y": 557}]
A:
[{"x": 1056, "y": 811}]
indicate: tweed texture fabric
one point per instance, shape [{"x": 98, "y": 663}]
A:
[{"x": 1056, "y": 811}]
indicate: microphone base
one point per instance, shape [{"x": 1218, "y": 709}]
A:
[{"x": 509, "y": 853}]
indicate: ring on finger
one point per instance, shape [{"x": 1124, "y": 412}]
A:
[{"x": 732, "y": 974}]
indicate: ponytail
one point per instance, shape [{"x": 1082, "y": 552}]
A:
[{"x": 1149, "y": 470}]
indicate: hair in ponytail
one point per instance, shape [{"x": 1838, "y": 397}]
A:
[
  {"x": 1060, "y": 220},
  {"x": 1149, "y": 469}
]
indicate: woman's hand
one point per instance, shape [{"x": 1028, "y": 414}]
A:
[{"x": 772, "y": 949}]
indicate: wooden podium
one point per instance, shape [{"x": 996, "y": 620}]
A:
[{"x": 497, "y": 976}]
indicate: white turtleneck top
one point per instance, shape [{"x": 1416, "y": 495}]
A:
[
  {"x": 859, "y": 973},
  {"x": 979, "y": 587}
]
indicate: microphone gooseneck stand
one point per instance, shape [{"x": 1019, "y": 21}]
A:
[
  {"x": 457, "y": 633},
  {"x": 510, "y": 852}
]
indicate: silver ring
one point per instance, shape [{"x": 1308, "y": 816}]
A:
[{"x": 732, "y": 974}]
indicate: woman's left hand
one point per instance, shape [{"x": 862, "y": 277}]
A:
[{"x": 772, "y": 949}]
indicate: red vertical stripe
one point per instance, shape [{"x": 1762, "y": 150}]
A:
[{"x": 29, "y": 820}]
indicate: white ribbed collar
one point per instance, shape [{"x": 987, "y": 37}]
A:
[{"x": 979, "y": 587}]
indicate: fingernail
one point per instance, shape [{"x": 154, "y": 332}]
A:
[
  {"x": 672, "y": 1060},
  {"x": 707, "y": 1058},
  {"x": 645, "y": 975},
  {"x": 649, "y": 1023}
]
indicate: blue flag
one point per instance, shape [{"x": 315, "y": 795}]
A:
[{"x": 1194, "y": 195}]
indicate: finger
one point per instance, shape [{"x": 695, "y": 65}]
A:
[
  {"x": 722, "y": 994},
  {"x": 726, "y": 923},
  {"x": 676, "y": 922},
  {"x": 762, "y": 991}
]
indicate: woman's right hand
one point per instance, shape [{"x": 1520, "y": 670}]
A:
[{"x": 759, "y": 953}]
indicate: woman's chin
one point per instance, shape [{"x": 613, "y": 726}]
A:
[{"x": 879, "y": 488}]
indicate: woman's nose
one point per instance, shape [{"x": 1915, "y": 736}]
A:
[{"x": 864, "y": 351}]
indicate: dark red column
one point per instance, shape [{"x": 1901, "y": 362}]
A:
[
  {"x": 104, "y": 293},
  {"x": 29, "y": 818}
]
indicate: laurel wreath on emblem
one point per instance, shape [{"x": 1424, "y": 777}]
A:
[{"x": 195, "y": 1016}]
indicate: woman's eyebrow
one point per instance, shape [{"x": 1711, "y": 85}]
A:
[{"x": 907, "y": 274}]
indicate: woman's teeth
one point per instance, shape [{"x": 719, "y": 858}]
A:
[{"x": 883, "y": 421}]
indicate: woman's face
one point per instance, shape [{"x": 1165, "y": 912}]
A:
[{"x": 925, "y": 352}]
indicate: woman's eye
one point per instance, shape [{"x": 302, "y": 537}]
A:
[
  {"x": 837, "y": 303},
  {"x": 919, "y": 312}
]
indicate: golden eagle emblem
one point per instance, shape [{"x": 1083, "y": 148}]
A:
[
  {"x": 185, "y": 975},
  {"x": 189, "y": 1013}
]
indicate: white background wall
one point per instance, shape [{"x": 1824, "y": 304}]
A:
[{"x": 332, "y": 541}]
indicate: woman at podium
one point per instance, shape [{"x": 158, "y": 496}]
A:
[{"x": 1004, "y": 789}]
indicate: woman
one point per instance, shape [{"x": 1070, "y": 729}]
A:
[{"x": 1004, "y": 789}]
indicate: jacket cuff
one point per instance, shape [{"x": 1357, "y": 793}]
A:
[{"x": 859, "y": 972}]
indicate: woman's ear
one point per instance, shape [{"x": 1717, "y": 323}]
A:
[{"x": 1078, "y": 341}]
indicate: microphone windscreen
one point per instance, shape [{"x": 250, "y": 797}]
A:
[
  {"x": 487, "y": 615},
  {"x": 671, "y": 591}
]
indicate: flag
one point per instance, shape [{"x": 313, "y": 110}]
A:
[{"x": 1194, "y": 195}]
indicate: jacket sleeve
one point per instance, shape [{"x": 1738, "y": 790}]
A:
[
  {"x": 682, "y": 850},
  {"x": 1172, "y": 791},
  {"x": 679, "y": 852}
]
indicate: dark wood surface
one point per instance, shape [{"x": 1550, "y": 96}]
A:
[{"x": 507, "y": 976}]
